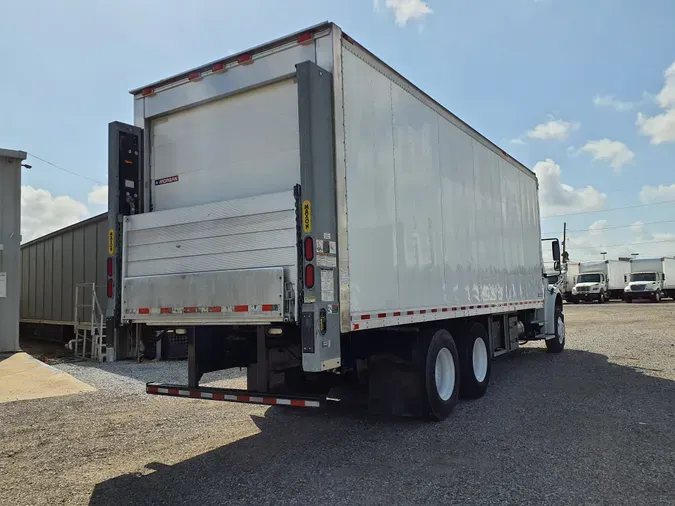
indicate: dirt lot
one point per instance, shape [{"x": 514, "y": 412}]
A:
[{"x": 594, "y": 425}]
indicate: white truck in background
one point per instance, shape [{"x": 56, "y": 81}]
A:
[
  {"x": 651, "y": 278},
  {"x": 601, "y": 281},
  {"x": 570, "y": 271},
  {"x": 304, "y": 211}
]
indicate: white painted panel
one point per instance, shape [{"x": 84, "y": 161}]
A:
[
  {"x": 418, "y": 202},
  {"x": 513, "y": 231},
  {"x": 370, "y": 188},
  {"x": 467, "y": 223},
  {"x": 241, "y": 146},
  {"x": 459, "y": 196}
]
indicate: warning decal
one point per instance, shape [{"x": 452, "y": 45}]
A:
[
  {"x": 307, "y": 216},
  {"x": 111, "y": 242},
  {"x": 166, "y": 180}
]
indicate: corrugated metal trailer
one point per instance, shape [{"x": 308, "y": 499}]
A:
[{"x": 52, "y": 266}]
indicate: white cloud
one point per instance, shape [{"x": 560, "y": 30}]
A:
[
  {"x": 42, "y": 213},
  {"x": 557, "y": 198},
  {"x": 406, "y": 10},
  {"x": 613, "y": 102},
  {"x": 597, "y": 227},
  {"x": 659, "y": 193},
  {"x": 615, "y": 152},
  {"x": 552, "y": 129},
  {"x": 666, "y": 97},
  {"x": 98, "y": 195},
  {"x": 661, "y": 127}
]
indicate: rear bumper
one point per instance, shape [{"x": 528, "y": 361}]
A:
[{"x": 235, "y": 395}]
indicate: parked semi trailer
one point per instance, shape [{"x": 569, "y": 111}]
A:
[
  {"x": 651, "y": 278},
  {"x": 304, "y": 211}
]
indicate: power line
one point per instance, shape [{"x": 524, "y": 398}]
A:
[
  {"x": 611, "y": 228},
  {"x": 623, "y": 244},
  {"x": 607, "y": 210},
  {"x": 66, "y": 170}
]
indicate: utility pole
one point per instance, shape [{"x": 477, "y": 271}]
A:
[{"x": 564, "y": 245}]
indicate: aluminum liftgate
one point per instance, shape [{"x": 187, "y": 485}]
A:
[{"x": 316, "y": 138}]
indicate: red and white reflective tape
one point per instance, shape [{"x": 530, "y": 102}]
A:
[
  {"x": 380, "y": 319},
  {"x": 241, "y": 308},
  {"x": 218, "y": 396}
]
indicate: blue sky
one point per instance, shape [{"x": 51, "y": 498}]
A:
[{"x": 560, "y": 84}]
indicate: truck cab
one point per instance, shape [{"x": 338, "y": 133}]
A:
[
  {"x": 644, "y": 285},
  {"x": 590, "y": 286}
]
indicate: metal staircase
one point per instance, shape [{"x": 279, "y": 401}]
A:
[{"x": 89, "y": 324}]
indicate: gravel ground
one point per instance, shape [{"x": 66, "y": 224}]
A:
[{"x": 594, "y": 425}]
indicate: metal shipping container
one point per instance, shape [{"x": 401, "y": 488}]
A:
[{"x": 52, "y": 266}]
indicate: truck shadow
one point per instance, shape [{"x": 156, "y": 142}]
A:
[{"x": 571, "y": 426}]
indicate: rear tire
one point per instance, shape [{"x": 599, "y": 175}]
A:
[
  {"x": 440, "y": 374},
  {"x": 475, "y": 360},
  {"x": 557, "y": 344}
]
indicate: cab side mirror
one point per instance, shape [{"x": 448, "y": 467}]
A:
[{"x": 555, "y": 250}]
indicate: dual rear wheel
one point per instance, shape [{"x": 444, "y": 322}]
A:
[
  {"x": 462, "y": 368},
  {"x": 454, "y": 369}
]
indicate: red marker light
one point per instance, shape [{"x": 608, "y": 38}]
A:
[
  {"x": 309, "y": 249},
  {"x": 245, "y": 59},
  {"x": 305, "y": 38},
  {"x": 309, "y": 276}
]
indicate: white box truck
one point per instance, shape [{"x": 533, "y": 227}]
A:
[
  {"x": 601, "y": 281},
  {"x": 302, "y": 210},
  {"x": 651, "y": 278}
]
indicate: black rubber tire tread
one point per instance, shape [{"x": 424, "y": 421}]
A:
[
  {"x": 470, "y": 388},
  {"x": 554, "y": 345},
  {"x": 434, "y": 407}
]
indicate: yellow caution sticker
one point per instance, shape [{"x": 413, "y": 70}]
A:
[
  {"x": 111, "y": 242},
  {"x": 307, "y": 216}
]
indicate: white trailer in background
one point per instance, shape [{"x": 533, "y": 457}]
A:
[
  {"x": 651, "y": 278},
  {"x": 601, "y": 281},
  {"x": 303, "y": 210}
]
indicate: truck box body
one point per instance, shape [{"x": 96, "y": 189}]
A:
[{"x": 433, "y": 215}]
